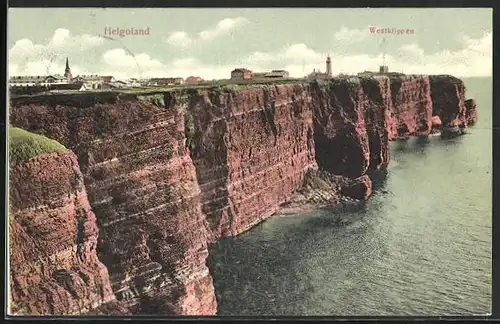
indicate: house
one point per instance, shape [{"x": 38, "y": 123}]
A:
[
  {"x": 108, "y": 86},
  {"x": 133, "y": 82},
  {"x": 193, "y": 80},
  {"x": 277, "y": 74},
  {"x": 108, "y": 79},
  {"x": 274, "y": 74},
  {"x": 161, "y": 82},
  {"x": 80, "y": 86},
  {"x": 241, "y": 74},
  {"x": 30, "y": 81},
  {"x": 55, "y": 79},
  {"x": 259, "y": 75},
  {"x": 317, "y": 75},
  {"x": 120, "y": 84},
  {"x": 92, "y": 81},
  {"x": 26, "y": 81},
  {"x": 42, "y": 80},
  {"x": 383, "y": 69}
]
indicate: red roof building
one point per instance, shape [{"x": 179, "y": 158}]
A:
[
  {"x": 108, "y": 79},
  {"x": 193, "y": 80},
  {"x": 241, "y": 74}
]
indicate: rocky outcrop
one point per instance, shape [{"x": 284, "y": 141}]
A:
[
  {"x": 53, "y": 237},
  {"x": 340, "y": 136},
  {"x": 142, "y": 186},
  {"x": 167, "y": 173},
  {"x": 352, "y": 125},
  {"x": 360, "y": 188},
  {"x": 251, "y": 150},
  {"x": 470, "y": 112},
  {"x": 411, "y": 106},
  {"x": 448, "y": 100}
]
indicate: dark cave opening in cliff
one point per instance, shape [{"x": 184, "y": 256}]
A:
[{"x": 340, "y": 155}]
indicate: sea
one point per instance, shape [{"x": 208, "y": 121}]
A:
[{"x": 420, "y": 246}]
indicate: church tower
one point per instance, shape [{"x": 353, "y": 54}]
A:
[
  {"x": 67, "y": 72},
  {"x": 329, "y": 67}
]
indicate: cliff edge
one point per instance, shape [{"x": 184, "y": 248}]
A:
[
  {"x": 170, "y": 171},
  {"x": 52, "y": 232}
]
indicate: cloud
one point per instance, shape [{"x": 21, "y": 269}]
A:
[
  {"x": 183, "y": 40},
  {"x": 350, "y": 35},
  {"x": 62, "y": 39},
  {"x": 473, "y": 59},
  {"x": 124, "y": 66},
  {"x": 179, "y": 39},
  {"x": 40, "y": 67},
  {"x": 412, "y": 50},
  {"x": 296, "y": 53},
  {"x": 27, "y": 56},
  {"x": 122, "y": 62},
  {"x": 223, "y": 27}
]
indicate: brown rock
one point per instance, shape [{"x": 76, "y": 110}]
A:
[
  {"x": 378, "y": 119},
  {"x": 448, "y": 100},
  {"x": 470, "y": 112},
  {"x": 340, "y": 137},
  {"x": 251, "y": 151},
  {"x": 142, "y": 186},
  {"x": 436, "y": 121},
  {"x": 411, "y": 106},
  {"x": 53, "y": 236},
  {"x": 360, "y": 188}
]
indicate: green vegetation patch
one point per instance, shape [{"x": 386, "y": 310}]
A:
[
  {"x": 156, "y": 99},
  {"x": 24, "y": 145}
]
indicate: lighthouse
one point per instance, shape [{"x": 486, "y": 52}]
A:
[{"x": 329, "y": 67}]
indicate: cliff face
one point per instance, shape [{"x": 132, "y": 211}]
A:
[
  {"x": 168, "y": 173},
  {"x": 142, "y": 187},
  {"x": 412, "y": 107},
  {"x": 251, "y": 150},
  {"x": 53, "y": 237},
  {"x": 352, "y": 125},
  {"x": 448, "y": 100}
]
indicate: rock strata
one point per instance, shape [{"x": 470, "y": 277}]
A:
[
  {"x": 168, "y": 173},
  {"x": 53, "y": 237}
]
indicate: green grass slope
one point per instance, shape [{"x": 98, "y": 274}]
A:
[{"x": 24, "y": 145}]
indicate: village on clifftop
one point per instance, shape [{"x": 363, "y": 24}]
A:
[{"x": 95, "y": 82}]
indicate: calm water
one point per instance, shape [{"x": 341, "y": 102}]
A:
[{"x": 420, "y": 246}]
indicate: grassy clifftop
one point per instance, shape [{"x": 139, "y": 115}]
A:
[{"x": 24, "y": 145}]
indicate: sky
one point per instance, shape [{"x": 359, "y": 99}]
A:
[{"x": 210, "y": 42}]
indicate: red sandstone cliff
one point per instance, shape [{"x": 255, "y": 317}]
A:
[
  {"x": 352, "y": 129},
  {"x": 53, "y": 237},
  {"x": 251, "y": 150},
  {"x": 142, "y": 187},
  {"x": 168, "y": 173},
  {"x": 411, "y": 106},
  {"x": 448, "y": 100}
]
